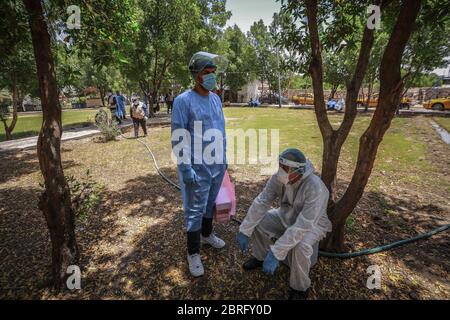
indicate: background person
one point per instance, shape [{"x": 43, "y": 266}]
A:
[
  {"x": 169, "y": 101},
  {"x": 139, "y": 115},
  {"x": 120, "y": 100},
  {"x": 112, "y": 103}
]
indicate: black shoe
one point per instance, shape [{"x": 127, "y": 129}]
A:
[
  {"x": 252, "y": 264},
  {"x": 298, "y": 295}
]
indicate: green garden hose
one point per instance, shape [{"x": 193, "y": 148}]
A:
[
  {"x": 383, "y": 247},
  {"x": 323, "y": 253}
]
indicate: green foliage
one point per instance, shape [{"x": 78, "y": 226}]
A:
[
  {"x": 429, "y": 46},
  {"x": 264, "y": 43},
  {"x": 85, "y": 195},
  {"x": 168, "y": 33},
  {"x": 337, "y": 21},
  {"x": 17, "y": 65},
  {"x": 350, "y": 223},
  {"x": 105, "y": 28},
  {"x": 241, "y": 57}
]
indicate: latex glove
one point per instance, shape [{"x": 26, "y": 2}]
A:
[
  {"x": 146, "y": 118},
  {"x": 270, "y": 264},
  {"x": 242, "y": 239},
  {"x": 189, "y": 176}
]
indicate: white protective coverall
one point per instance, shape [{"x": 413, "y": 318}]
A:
[{"x": 297, "y": 225}]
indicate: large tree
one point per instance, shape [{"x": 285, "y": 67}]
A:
[
  {"x": 266, "y": 54},
  {"x": 324, "y": 26},
  {"x": 241, "y": 57},
  {"x": 169, "y": 33},
  {"x": 55, "y": 201},
  {"x": 391, "y": 86},
  {"x": 105, "y": 26}
]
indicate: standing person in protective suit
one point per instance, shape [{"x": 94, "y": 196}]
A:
[
  {"x": 120, "y": 100},
  {"x": 195, "y": 113},
  {"x": 291, "y": 232},
  {"x": 139, "y": 115}
]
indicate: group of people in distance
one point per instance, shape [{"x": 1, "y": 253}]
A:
[{"x": 139, "y": 111}]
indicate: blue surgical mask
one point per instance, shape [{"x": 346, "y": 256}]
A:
[{"x": 209, "y": 81}]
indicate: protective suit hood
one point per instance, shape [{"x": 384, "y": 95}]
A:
[{"x": 309, "y": 169}]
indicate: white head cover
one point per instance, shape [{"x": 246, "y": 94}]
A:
[{"x": 292, "y": 164}]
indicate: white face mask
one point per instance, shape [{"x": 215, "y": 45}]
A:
[{"x": 282, "y": 176}]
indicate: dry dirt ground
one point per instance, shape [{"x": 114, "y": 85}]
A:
[{"x": 133, "y": 245}]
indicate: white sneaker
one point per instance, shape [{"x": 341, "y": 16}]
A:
[
  {"x": 213, "y": 241},
  {"x": 195, "y": 265}
]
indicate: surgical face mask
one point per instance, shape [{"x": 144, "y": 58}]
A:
[
  {"x": 282, "y": 176},
  {"x": 209, "y": 81}
]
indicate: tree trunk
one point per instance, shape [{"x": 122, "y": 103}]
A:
[
  {"x": 333, "y": 92},
  {"x": 55, "y": 201},
  {"x": 102, "y": 93},
  {"x": 391, "y": 86},
  {"x": 16, "y": 100},
  {"x": 334, "y": 139}
]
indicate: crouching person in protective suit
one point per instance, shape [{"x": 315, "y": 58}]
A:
[{"x": 290, "y": 233}]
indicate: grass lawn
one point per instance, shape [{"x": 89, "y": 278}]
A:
[
  {"x": 30, "y": 124},
  {"x": 133, "y": 246},
  {"x": 443, "y": 122},
  {"x": 402, "y": 156}
]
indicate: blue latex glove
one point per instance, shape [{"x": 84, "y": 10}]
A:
[
  {"x": 270, "y": 263},
  {"x": 242, "y": 239},
  {"x": 189, "y": 176}
]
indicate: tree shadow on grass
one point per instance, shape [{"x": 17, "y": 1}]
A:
[
  {"x": 148, "y": 260},
  {"x": 133, "y": 247},
  {"x": 155, "y": 266},
  {"x": 382, "y": 218},
  {"x": 17, "y": 163},
  {"x": 398, "y": 218},
  {"x": 24, "y": 244}
]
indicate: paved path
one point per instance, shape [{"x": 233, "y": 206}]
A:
[{"x": 77, "y": 133}]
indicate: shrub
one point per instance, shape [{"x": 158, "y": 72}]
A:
[
  {"x": 107, "y": 126},
  {"x": 85, "y": 194}
]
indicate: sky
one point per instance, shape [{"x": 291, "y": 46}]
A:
[{"x": 245, "y": 12}]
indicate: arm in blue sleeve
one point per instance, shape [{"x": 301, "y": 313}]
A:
[
  {"x": 224, "y": 140},
  {"x": 219, "y": 101},
  {"x": 180, "y": 120}
]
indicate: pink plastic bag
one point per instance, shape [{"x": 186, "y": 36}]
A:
[{"x": 225, "y": 201}]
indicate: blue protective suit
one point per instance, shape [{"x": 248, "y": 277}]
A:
[
  {"x": 120, "y": 101},
  {"x": 199, "y": 197},
  {"x": 331, "y": 104},
  {"x": 118, "y": 109}
]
